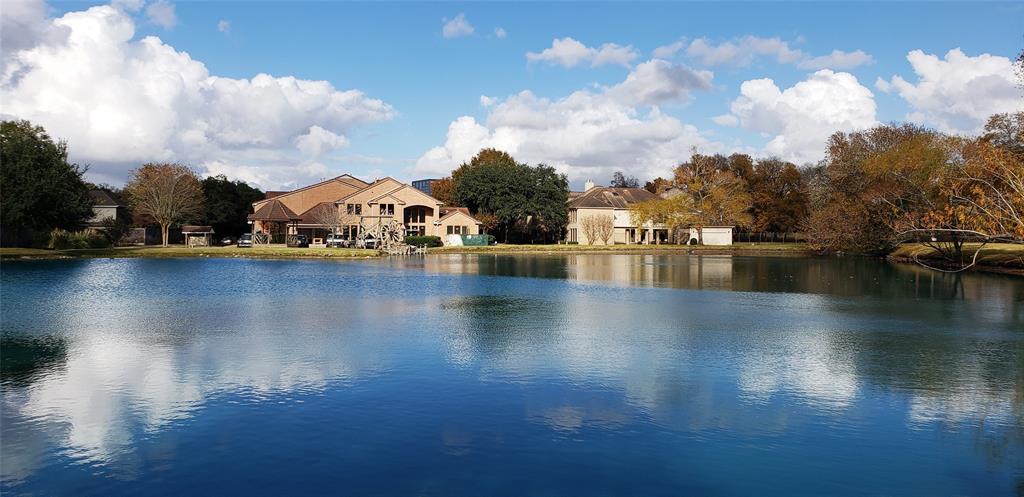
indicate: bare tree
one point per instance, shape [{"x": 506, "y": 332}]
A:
[
  {"x": 333, "y": 218},
  {"x": 165, "y": 193},
  {"x": 589, "y": 226},
  {"x": 605, "y": 227}
]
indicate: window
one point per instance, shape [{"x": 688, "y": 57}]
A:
[
  {"x": 572, "y": 216},
  {"x": 387, "y": 209},
  {"x": 415, "y": 215},
  {"x": 356, "y": 209},
  {"x": 458, "y": 230},
  {"x": 572, "y": 235}
]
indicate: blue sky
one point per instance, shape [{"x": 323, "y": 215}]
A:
[{"x": 396, "y": 53}]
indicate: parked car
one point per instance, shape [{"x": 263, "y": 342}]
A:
[
  {"x": 297, "y": 241},
  {"x": 245, "y": 240},
  {"x": 337, "y": 241},
  {"x": 368, "y": 243},
  {"x": 227, "y": 240}
]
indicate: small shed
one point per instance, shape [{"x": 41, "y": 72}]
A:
[
  {"x": 713, "y": 235},
  {"x": 197, "y": 236}
]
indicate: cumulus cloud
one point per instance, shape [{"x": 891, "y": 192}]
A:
[
  {"x": 24, "y": 25},
  {"x": 957, "y": 93},
  {"x": 162, "y": 14},
  {"x": 224, "y": 26},
  {"x": 500, "y": 33},
  {"x": 668, "y": 51},
  {"x": 319, "y": 141},
  {"x": 589, "y": 133},
  {"x": 456, "y": 27},
  {"x": 800, "y": 119},
  {"x": 743, "y": 52},
  {"x": 568, "y": 53},
  {"x": 120, "y": 102}
]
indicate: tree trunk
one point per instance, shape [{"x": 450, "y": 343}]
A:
[
  {"x": 164, "y": 228},
  {"x": 700, "y": 235}
]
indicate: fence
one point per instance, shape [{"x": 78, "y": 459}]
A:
[{"x": 768, "y": 237}]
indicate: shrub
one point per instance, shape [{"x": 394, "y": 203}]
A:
[
  {"x": 65, "y": 240},
  {"x": 418, "y": 241}
]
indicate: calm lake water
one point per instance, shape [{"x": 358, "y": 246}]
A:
[{"x": 510, "y": 375}]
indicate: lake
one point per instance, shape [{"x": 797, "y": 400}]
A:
[{"x": 471, "y": 375}]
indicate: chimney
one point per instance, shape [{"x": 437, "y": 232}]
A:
[{"x": 588, "y": 185}]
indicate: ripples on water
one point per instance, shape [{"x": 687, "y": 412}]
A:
[{"x": 510, "y": 375}]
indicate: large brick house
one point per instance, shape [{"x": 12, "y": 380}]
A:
[{"x": 359, "y": 204}]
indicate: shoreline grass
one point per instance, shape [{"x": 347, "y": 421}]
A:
[
  {"x": 999, "y": 257},
  {"x": 737, "y": 248},
  {"x": 183, "y": 251}
]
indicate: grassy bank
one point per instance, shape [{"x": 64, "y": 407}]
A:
[
  {"x": 738, "y": 248},
  {"x": 182, "y": 251},
  {"x": 1003, "y": 257}
]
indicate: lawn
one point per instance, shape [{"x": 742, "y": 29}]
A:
[
  {"x": 1002, "y": 255},
  {"x": 182, "y": 251}
]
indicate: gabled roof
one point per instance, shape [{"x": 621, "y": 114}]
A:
[
  {"x": 347, "y": 179},
  {"x": 447, "y": 212},
  {"x": 604, "y": 197},
  {"x": 398, "y": 186},
  {"x": 274, "y": 210},
  {"x": 386, "y": 196},
  {"x": 103, "y": 198},
  {"x": 309, "y": 217},
  {"x": 196, "y": 229}
]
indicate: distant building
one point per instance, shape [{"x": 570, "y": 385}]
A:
[
  {"x": 425, "y": 185},
  {"x": 361, "y": 205},
  {"x": 104, "y": 207},
  {"x": 613, "y": 203}
]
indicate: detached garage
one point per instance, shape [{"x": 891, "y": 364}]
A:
[{"x": 713, "y": 235}]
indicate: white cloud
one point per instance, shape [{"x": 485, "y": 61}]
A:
[
  {"x": 838, "y": 59},
  {"x": 668, "y": 51},
  {"x": 568, "y": 53},
  {"x": 957, "y": 93},
  {"x": 224, "y": 26},
  {"x": 728, "y": 120},
  {"x": 487, "y": 101},
  {"x": 128, "y": 5},
  {"x": 456, "y": 27},
  {"x": 800, "y": 119},
  {"x": 500, "y": 33},
  {"x": 120, "y": 102},
  {"x": 657, "y": 82},
  {"x": 743, "y": 52},
  {"x": 162, "y": 14},
  {"x": 587, "y": 133},
  {"x": 23, "y": 25},
  {"x": 319, "y": 141}
]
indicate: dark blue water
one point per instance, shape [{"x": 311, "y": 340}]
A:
[{"x": 500, "y": 375}]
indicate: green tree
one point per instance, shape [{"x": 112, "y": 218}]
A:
[
  {"x": 39, "y": 189},
  {"x": 778, "y": 196},
  {"x": 528, "y": 203},
  {"x": 228, "y": 203}
]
